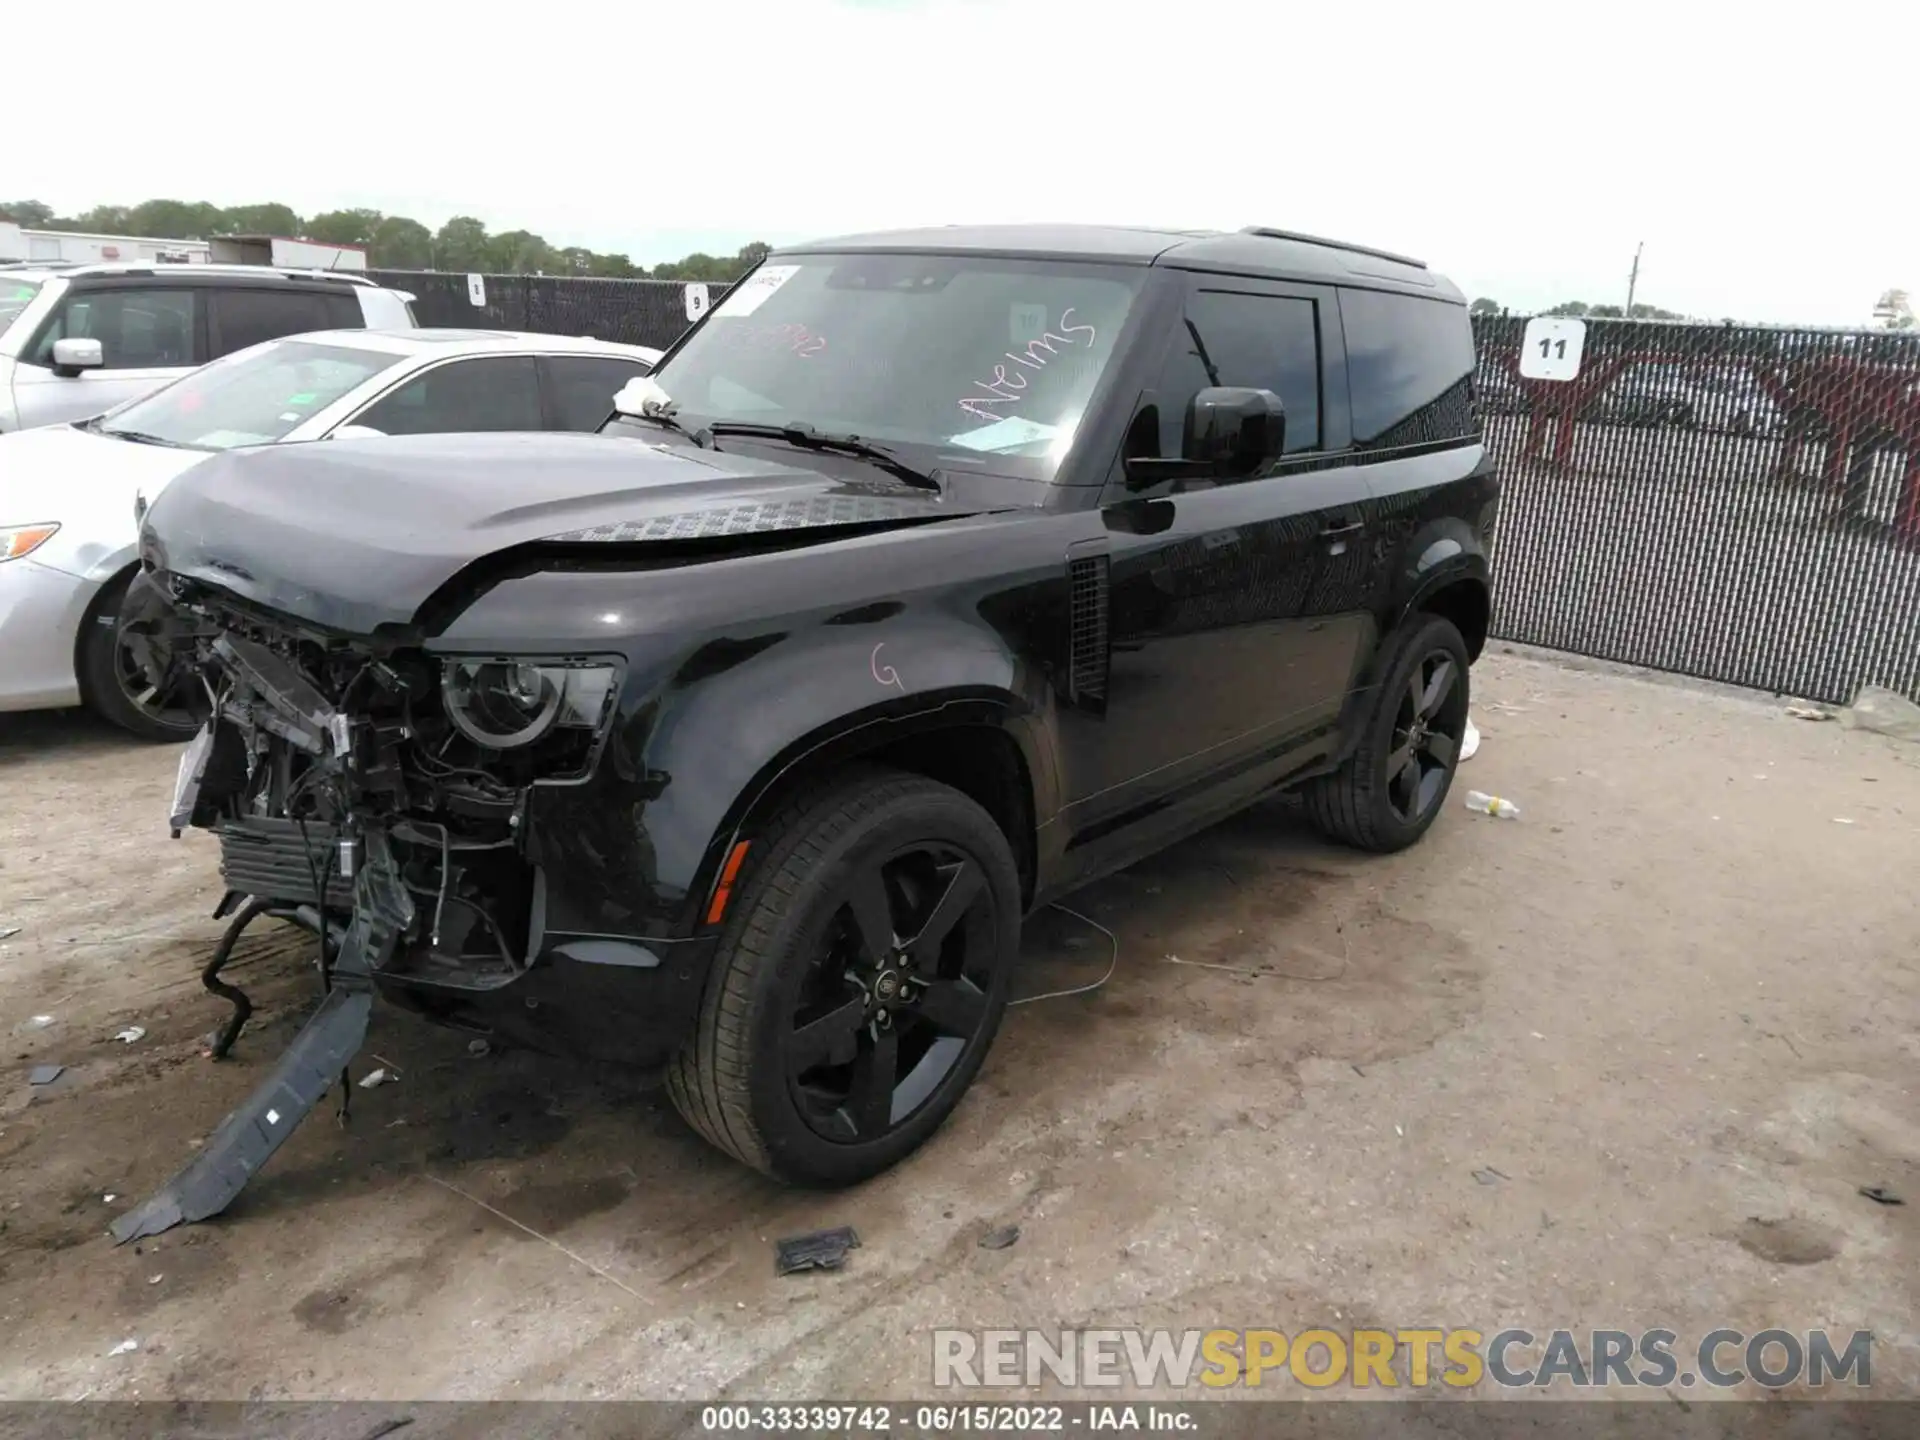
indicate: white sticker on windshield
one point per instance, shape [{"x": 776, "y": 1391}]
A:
[
  {"x": 1026, "y": 322},
  {"x": 1008, "y": 434},
  {"x": 753, "y": 292}
]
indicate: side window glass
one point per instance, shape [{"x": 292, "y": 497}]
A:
[
  {"x": 1409, "y": 369},
  {"x": 246, "y": 317},
  {"x": 1268, "y": 342},
  {"x": 584, "y": 387},
  {"x": 344, "y": 313},
  {"x": 137, "y": 329},
  {"x": 494, "y": 393}
]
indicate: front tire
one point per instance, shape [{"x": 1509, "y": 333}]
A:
[
  {"x": 111, "y": 681},
  {"x": 1392, "y": 786},
  {"x": 859, "y": 981}
]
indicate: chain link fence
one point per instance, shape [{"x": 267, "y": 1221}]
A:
[
  {"x": 633, "y": 312},
  {"x": 1736, "y": 503},
  {"x": 1733, "y": 502}
]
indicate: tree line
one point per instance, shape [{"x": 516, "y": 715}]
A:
[
  {"x": 393, "y": 242},
  {"x": 1580, "y": 309}
]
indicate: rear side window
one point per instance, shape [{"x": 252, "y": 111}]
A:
[
  {"x": 584, "y": 386},
  {"x": 137, "y": 329},
  {"x": 1409, "y": 369},
  {"x": 344, "y": 313},
  {"x": 500, "y": 392},
  {"x": 246, "y": 317},
  {"x": 1268, "y": 342}
]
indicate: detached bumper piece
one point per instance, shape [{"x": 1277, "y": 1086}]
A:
[{"x": 249, "y": 1136}]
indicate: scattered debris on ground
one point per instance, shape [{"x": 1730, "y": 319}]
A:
[
  {"x": 1884, "y": 713},
  {"x": 1809, "y": 712},
  {"x": 1000, "y": 1237},
  {"x": 1482, "y": 803},
  {"x": 1880, "y": 1195},
  {"x": 377, "y": 1077},
  {"x": 125, "y": 1347},
  {"x": 45, "y": 1074},
  {"x": 131, "y": 1035},
  {"x": 818, "y": 1250},
  {"x": 1490, "y": 1176}
]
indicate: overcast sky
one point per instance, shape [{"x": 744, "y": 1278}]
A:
[{"x": 1764, "y": 154}]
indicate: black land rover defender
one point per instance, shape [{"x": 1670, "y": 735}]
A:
[{"x": 933, "y": 575}]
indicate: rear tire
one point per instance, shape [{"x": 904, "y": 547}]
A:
[
  {"x": 1387, "y": 793},
  {"x": 109, "y": 683},
  {"x": 859, "y": 981}
]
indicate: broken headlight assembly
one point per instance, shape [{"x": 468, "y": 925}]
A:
[{"x": 506, "y": 704}]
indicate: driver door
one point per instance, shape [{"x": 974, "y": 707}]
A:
[
  {"x": 149, "y": 335},
  {"x": 1237, "y": 609}
]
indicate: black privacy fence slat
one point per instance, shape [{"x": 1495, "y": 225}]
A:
[
  {"x": 1737, "y": 503},
  {"x": 633, "y": 312}
]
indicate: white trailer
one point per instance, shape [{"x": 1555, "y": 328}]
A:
[
  {"x": 286, "y": 254},
  {"x": 72, "y": 247}
]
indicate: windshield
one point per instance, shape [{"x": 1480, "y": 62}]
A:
[
  {"x": 15, "y": 296},
  {"x": 249, "y": 398},
  {"x": 972, "y": 357}
]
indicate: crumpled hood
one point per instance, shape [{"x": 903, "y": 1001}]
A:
[{"x": 354, "y": 534}]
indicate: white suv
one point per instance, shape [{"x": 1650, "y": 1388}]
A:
[{"x": 77, "y": 340}]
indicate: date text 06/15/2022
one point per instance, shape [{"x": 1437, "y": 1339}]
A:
[{"x": 849, "y": 1419}]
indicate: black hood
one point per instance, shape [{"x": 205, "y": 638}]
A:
[{"x": 355, "y": 534}]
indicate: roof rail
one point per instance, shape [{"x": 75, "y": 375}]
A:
[
  {"x": 1269, "y": 233},
  {"x": 216, "y": 267}
]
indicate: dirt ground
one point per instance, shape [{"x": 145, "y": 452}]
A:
[{"x": 1670, "y": 1016}]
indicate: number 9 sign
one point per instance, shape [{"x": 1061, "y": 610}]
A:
[
  {"x": 696, "y": 297},
  {"x": 1552, "y": 348}
]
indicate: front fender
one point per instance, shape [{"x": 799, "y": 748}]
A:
[{"x": 694, "y": 755}]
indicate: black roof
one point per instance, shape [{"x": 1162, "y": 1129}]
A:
[{"x": 1255, "y": 251}]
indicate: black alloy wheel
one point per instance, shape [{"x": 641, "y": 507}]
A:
[
  {"x": 895, "y": 992},
  {"x": 1388, "y": 791},
  {"x": 859, "y": 980},
  {"x": 1427, "y": 730},
  {"x": 115, "y": 682}
]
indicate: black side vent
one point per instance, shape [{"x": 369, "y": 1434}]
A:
[{"x": 1087, "y": 649}]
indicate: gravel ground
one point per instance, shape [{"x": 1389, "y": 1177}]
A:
[{"x": 1670, "y": 1015}]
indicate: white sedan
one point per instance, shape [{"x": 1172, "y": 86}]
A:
[{"x": 68, "y": 493}]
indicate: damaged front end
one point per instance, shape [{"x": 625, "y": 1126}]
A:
[{"x": 381, "y": 795}]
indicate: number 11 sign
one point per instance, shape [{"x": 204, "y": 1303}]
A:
[{"x": 1552, "y": 348}]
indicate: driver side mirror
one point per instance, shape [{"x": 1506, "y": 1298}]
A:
[
  {"x": 72, "y": 355},
  {"x": 1230, "y": 432},
  {"x": 1234, "y": 431}
]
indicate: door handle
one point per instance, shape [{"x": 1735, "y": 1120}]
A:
[{"x": 1334, "y": 529}]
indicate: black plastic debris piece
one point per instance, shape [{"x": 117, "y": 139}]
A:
[
  {"x": 1880, "y": 1195},
  {"x": 45, "y": 1074},
  {"x": 1000, "y": 1237},
  {"x": 1490, "y": 1176},
  {"x": 821, "y": 1250},
  {"x": 248, "y": 1137},
  {"x": 316, "y": 1059}
]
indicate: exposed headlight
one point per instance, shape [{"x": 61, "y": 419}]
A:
[
  {"x": 19, "y": 540},
  {"x": 504, "y": 704}
]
